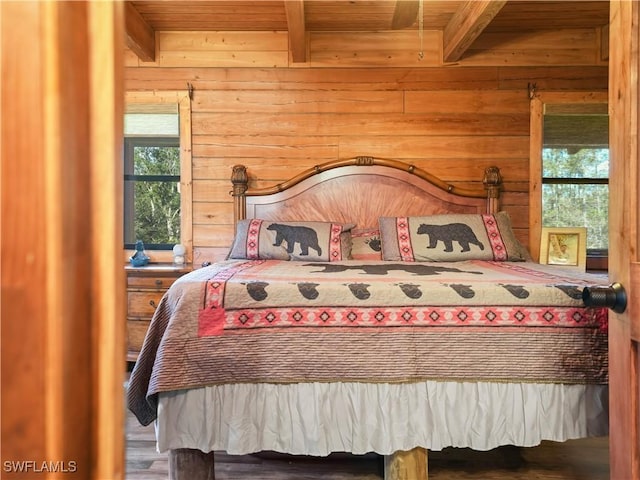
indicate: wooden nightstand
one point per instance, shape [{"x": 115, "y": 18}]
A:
[{"x": 145, "y": 287}]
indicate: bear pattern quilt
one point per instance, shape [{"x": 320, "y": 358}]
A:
[{"x": 248, "y": 321}]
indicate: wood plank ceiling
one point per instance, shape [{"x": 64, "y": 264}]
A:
[{"x": 461, "y": 22}]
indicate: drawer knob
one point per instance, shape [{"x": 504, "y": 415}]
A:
[
  {"x": 158, "y": 282},
  {"x": 152, "y": 303}
]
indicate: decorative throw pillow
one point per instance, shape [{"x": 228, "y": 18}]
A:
[
  {"x": 309, "y": 241},
  {"x": 450, "y": 238},
  {"x": 365, "y": 244}
]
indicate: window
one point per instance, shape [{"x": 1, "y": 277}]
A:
[
  {"x": 575, "y": 176},
  {"x": 157, "y": 207},
  {"x": 569, "y": 168},
  {"x": 152, "y": 192}
]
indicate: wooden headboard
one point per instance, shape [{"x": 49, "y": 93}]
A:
[{"x": 360, "y": 190}]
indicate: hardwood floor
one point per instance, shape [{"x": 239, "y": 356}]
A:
[{"x": 585, "y": 459}]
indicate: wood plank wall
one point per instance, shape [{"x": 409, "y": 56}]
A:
[{"x": 359, "y": 94}]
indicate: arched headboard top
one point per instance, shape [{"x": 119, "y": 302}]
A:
[{"x": 360, "y": 190}]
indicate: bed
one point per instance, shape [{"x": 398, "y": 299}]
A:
[{"x": 368, "y": 306}]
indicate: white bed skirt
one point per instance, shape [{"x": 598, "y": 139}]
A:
[{"x": 320, "y": 418}]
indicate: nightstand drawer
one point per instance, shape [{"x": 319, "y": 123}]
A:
[
  {"x": 150, "y": 282},
  {"x": 136, "y": 331},
  {"x": 143, "y": 304}
]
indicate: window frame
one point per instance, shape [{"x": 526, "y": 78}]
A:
[
  {"x": 592, "y": 252},
  {"x": 170, "y": 102},
  {"x": 538, "y": 106},
  {"x": 130, "y": 143}
]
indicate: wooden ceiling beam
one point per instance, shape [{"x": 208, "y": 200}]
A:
[
  {"x": 466, "y": 25},
  {"x": 140, "y": 37},
  {"x": 405, "y": 13},
  {"x": 297, "y": 29}
]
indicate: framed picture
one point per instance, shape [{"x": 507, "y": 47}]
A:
[{"x": 564, "y": 246}]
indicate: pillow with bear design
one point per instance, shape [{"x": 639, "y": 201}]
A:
[
  {"x": 258, "y": 239},
  {"x": 450, "y": 238}
]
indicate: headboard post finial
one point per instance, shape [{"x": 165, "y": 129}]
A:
[
  {"x": 492, "y": 183},
  {"x": 240, "y": 181}
]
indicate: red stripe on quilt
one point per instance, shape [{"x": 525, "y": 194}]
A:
[
  {"x": 404, "y": 239},
  {"x": 212, "y": 315},
  {"x": 463, "y": 316},
  {"x": 498, "y": 247}
]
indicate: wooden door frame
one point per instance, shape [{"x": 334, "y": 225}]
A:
[
  {"x": 624, "y": 241},
  {"x": 63, "y": 309}
]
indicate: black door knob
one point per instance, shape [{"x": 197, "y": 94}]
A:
[{"x": 613, "y": 297}]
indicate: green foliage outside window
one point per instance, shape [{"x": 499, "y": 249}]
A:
[
  {"x": 577, "y": 203},
  {"x": 152, "y": 195}
]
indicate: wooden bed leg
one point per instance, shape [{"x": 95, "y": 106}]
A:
[
  {"x": 190, "y": 464},
  {"x": 410, "y": 465}
]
